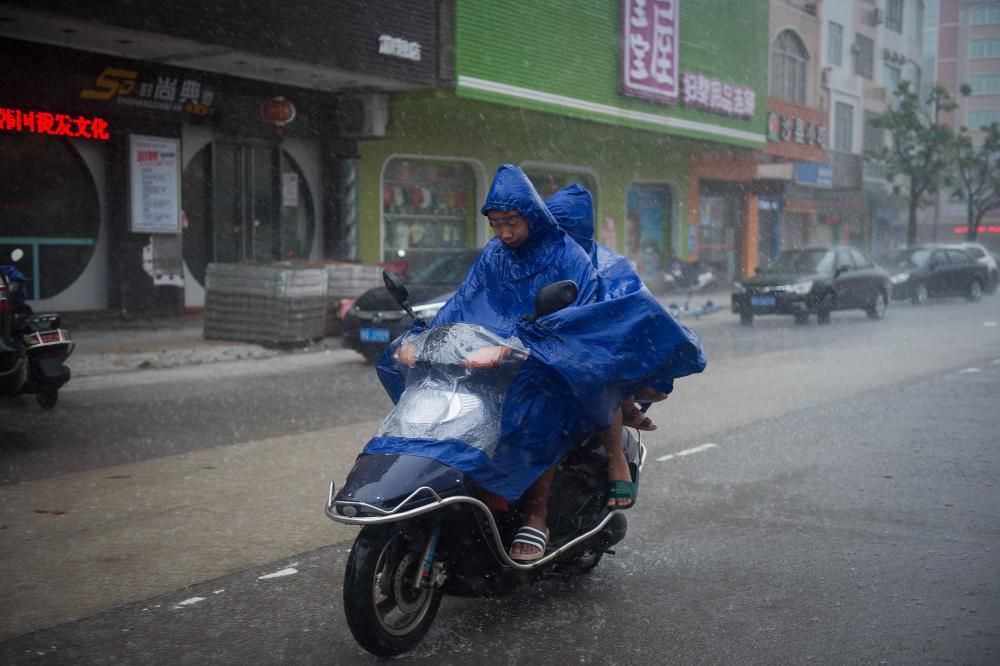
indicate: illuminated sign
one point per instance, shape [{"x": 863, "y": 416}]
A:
[
  {"x": 784, "y": 127},
  {"x": 650, "y": 45},
  {"x": 56, "y": 124},
  {"x": 398, "y": 48},
  {"x": 128, "y": 87},
  {"x": 991, "y": 229}
]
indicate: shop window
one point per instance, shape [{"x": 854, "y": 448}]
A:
[
  {"x": 789, "y": 64},
  {"x": 717, "y": 239},
  {"x": 245, "y": 202},
  {"x": 647, "y": 230},
  {"x": 548, "y": 181},
  {"x": 428, "y": 210},
  {"x": 49, "y": 208}
]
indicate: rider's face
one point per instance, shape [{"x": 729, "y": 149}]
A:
[{"x": 509, "y": 226}]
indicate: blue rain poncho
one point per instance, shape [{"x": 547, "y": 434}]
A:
[{"x": 582, "y": 358}]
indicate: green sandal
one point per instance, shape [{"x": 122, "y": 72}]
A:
[{"x": 623, "y": 490}]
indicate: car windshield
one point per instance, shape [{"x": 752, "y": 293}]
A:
[
  {"x": 448, "y": 269},
  {"x": 801, "y": 261},
  {"x": 908, "y": 258}
]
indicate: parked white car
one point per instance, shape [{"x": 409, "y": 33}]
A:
[{"x": 986, "y": 258}]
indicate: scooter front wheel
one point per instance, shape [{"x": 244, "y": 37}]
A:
[
  {"x": 47, "y": 399},
  {"x": 385, "y": 612}
]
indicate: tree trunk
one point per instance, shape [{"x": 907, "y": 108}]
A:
[
  {"x": 973, "y": 220},
  {"x": 911, "y": 226}
]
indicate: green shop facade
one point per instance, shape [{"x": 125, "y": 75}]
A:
[{"x": 561, "y": 90}]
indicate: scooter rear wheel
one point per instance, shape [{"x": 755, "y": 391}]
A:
[
  {"x": 386, "y": 614},
  {"x": 47, "y": 399}
]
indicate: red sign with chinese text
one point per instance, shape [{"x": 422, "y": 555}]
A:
[
  {"x": 650, "y": 46},
  {"x": 56, "y": 124},
  {"x": 796, "y": 133}
]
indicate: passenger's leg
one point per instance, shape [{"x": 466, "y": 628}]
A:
[
  {"x": 536, "y": 511},
  {"x": 618, "y": 470}
]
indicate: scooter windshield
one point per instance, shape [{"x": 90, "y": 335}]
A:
[{"x": 456, "y": 378}]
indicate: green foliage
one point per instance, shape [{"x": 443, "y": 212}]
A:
[
  {"x": 978, "y": 173},
  {"x": 922, "y": 146}
]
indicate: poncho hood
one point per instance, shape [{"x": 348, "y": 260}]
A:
[{"x": 573, "y": 208}]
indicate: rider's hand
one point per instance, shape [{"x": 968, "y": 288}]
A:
[
  {"x": 486, "y": 357},
  {"x": 407, "y": 354}
]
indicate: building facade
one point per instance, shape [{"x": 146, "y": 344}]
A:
[
  {"x": 137, "y": 147},
  {"x": 962, "y": 46},
  {"x": 624, "y": 97}
]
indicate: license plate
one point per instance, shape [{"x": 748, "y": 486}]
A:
[
  {"x": 374, "y": 335},
  {"x": 763, "y": 301}
]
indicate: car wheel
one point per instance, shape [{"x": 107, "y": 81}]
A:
[
  {"x": 919, "y": 294},
  {"x": 823, "y": 309},
  {"x": 877, "y": 308},
  {"x": 975, "y": 291},
  {"x": 746, "y": 318},
  {"x": 801, "y": 318}
]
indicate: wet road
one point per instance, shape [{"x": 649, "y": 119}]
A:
[{"x": 847, "y": 511}]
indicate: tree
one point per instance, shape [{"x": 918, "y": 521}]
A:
[
  {"x": 921, "y": 146},
  {"x": 978, "y": 173}
]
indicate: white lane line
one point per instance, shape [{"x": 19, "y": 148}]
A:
[
  {"x": 968, "y": 371},
  {"x": 687, "y": 452},
  {"x": 989, "y": 324},
  {"x": 290, "y": 571},
  {"x": 191, "y": 601}
]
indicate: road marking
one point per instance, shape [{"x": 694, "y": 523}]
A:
[
  {"x": 290, "y": 571},
  {"x": 989, "y": 324},
  {"x": 968, "y": 371},
  {"x": 687, "y": 452},
  {"x": 191, "y": 601}
]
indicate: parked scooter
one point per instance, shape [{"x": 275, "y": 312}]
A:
[
  {"x": 33, "y": 348},
  {"x": 691, "y": 278},
  {"x": 428, "y": 530}
]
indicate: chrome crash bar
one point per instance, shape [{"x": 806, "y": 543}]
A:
[{"x": 394, "y": 515}]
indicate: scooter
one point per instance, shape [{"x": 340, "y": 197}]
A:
[
  {"x": 427, "y": 529},
  {"x": 689, "y": 277},
  {"x": 35, "y": 346}
]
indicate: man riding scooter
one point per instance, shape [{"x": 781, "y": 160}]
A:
[{"x": 589, "y": 345}]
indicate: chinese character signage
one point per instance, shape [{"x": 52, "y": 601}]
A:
[
  {"x": 128, "y": 87},
  {"x": 650, "y": 46},
  {"x": 796, "y": 133},
  {"x": 56, "y": 124},
  {"x": 155, "y": 184},
  {"x": 708, "y": 94}
]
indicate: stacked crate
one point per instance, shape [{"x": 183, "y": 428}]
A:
[
  {"x": 346, "y": 281},
  {"x": 273, "y": 304}
]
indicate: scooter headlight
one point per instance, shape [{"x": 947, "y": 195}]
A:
[{"x": 429, "y": 406}]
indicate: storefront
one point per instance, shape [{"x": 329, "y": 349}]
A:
[
  {"x": 568, "y": 113},
  {"x": 127, "y": 177}
]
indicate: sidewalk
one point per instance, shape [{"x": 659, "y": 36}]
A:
[{"x": 107, "y": 346}]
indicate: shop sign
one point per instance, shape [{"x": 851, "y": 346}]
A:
[
  {"x": 56, "y": 124},
  {"x": 814, "y": 173},
  {"x": 708, "y": 94},
  {"x": 650, "y": 46},
  {"x": 128, "y": 87},
  {"x": 398, "y": 48},
  {"x": 793, "y": 129},
  {"x": 155, "y": 184},
  {"x": 982, "y": 229}
]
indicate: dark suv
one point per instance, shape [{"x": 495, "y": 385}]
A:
[
  {"x": 814, "y": 280},
  {"x": 376, "y": 319}
]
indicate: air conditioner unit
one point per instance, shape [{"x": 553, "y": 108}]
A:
[
  {"x": 362, "y": 115},
  {"x": 878, "y": 16}
]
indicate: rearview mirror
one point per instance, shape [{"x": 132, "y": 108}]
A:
[
  {"x": 16, "y": 255},
  {"x": 398, "y": 291},
  {"x": 841, "y": 269},
  {"x": 554, "y": 297}
]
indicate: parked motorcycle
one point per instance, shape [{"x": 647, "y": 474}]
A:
[
  {"x": 33, "y": 347},
  {"x": 427, "y": 529},
  {"x": 688, "y": 276}
]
